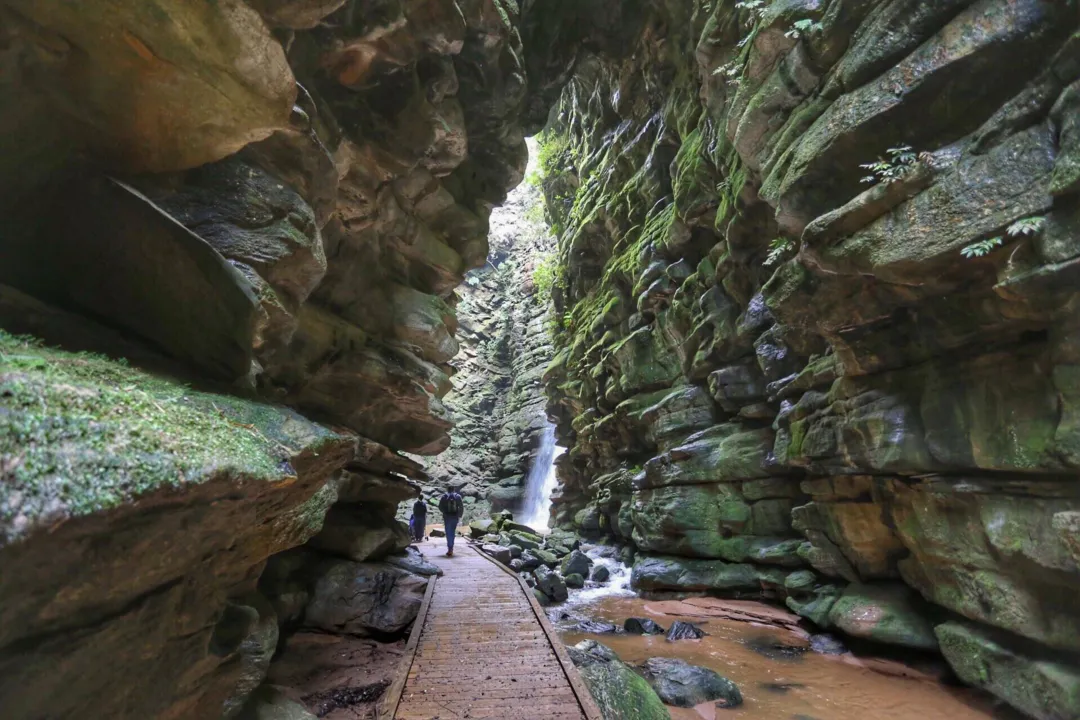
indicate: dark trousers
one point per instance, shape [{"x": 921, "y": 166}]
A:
[
  {"x": 416, "y": 526},
  {"x": 450, "y": 523}
]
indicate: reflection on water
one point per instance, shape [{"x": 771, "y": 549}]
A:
[{"x": 779, "y": 677}]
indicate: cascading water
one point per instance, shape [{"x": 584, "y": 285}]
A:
[{"x": 536, "y": 509}]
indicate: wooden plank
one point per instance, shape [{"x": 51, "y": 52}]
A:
[
  {"x": 392, "y": 697},
  {"x": 482, "y": 656},
  {"x": 588, "y": 705}
]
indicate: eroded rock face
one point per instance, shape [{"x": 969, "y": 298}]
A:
[
  {"x": 364, "y": 598},
  {"x": 497, "y": 397},
  {"x": 275, "y": 198},
  {"x": 135, "y": 526},
  {"x": 783, "y": 374}
]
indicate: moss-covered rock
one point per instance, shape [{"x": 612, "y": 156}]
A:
[{"x": 620, "y": 692}]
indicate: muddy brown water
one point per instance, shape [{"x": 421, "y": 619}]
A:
[{"x": 788, "y": 682}]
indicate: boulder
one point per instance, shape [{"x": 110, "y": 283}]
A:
[
  {"x": 516, "y": 551},
  {"x": 517, "y": 565},
  {"x": 576, "y": 562},
  {"x": 689, "y": 575},
  {"x": 511, "y": 526},
  {"x": 500, "y": 553},
  {"x": 600, "y": 573},
  {"x": 413, "y": 562},
  {"x": 1033, "y": 682},
  {"x": 271, "y": 703},
  {"x": 548, "y": 582},
  {"x": 683, "y": 685},
  {"x": 642, "y": 626},
  {"x": 364, "y": 598},
  {"x": 437, "y": 533},
  {"x": 573, "y": 580},
  {"x": 535, "y": 558},
  {"x": 680, "y": 630},
  {"x": 362, "y": 531},
  {"x": 480, "y": 528},
  {"x": 886, "y": 613},
  {"x": 620, "y": 692}
]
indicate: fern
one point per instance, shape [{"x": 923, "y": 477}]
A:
[
  {"x": 1031, "y": 226},
  {"x": 778, "y": 248},
  {"x": 981, "y": 248},
  {"x": 802, "y": 26},
  {"x": 901, "y": 160}
]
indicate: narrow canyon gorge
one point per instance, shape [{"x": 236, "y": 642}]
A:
[{"x": 751, "y": 317}]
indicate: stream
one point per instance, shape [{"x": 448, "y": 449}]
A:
[{"x": 780, "y": 677}]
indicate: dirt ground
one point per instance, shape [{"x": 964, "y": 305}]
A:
[{"x": 337, "y": 677}]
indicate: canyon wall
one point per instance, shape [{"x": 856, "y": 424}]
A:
[
  {"x": 497, "y": 398},
  {"x": 269, "y": 205},
  {"x": 817, "y": 318}
]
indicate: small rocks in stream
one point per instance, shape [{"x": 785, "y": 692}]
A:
[
  {"x": 601, "y": 574},
  {"x": 573, "y": 580},
  {"x": 827, "y": 644},
  {"x": 685, "y": 631},
  {"x": 774, "y": 648},
  {"x": 681, "y": 684},
  {"x": 596, "y": 627},
  {"x": 778, "y": 688},
  {"x": 642, "y": 626}
]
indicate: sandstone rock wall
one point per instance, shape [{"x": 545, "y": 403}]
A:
[
  {"x": 272, "y": 201},
  {"x": 784, "y": 373},
  {"x": 497, "y": 399}
]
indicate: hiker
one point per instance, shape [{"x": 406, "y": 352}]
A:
[
  {"x": 451, "y": 506},
  {"x": 418, "y": 521}
]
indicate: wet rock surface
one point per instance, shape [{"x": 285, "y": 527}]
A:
[
  {"x": 814, "y": 334},
  {"x": 621, "y": 693},
  {"x": 681, "y": 684}
]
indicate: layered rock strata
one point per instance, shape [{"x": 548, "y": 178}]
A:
[
  {"x": 816, "y": 318},
  {"x": 497, "y": 399},
  {"x": 273, "y": 202}
]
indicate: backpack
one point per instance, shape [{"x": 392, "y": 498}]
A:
[{"x": 451, "y": 504}]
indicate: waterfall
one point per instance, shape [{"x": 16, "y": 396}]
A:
[{"x": 536, "y": 508}]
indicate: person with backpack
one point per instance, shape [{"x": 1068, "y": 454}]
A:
[
  {"x": 451, "y": 506},
  {"x": 419, "y": 519}
]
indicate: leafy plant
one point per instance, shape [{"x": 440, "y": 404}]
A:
[
  {"x": 898, "y": 163},
  {"x": 983, "y": 247},
  {"x": 545, "y": 276},
  {"x": 778, "y": 248},
  {"x": 757, "y": 9},
  {"x": 1031, "y": 227},
  {"x": 1028, "y": 226},
  {"x": 731, "y": 72},
  {"x": 802, "y": 26}
]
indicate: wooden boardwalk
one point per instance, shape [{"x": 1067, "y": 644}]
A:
[{"x": 485, "y": 649}]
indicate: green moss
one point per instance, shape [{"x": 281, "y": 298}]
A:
[{"x": 80, "y": 433}]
